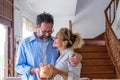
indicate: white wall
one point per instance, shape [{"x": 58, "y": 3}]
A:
[
  {"x": 88, "y": 21},
  {"x": 116, "y": 24},
  {"x": 61, "y": 21}
]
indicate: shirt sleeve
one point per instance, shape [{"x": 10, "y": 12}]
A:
[
  {"x": 20, "y": 65},
  {"x": 74, "y": 72}
]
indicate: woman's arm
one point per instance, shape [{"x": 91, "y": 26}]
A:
[
  {"x": 72, "y": 74},
  {"x": 60, "y": 72}
]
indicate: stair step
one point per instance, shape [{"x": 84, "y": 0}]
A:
[
  {"x": 96, "y": 62},
  {"x": 92, "y": 68},
  {"x": 95, "y": 55},
  {"x": 98, "y": 72},
  {"x": 92, "y": 49},
  {"x": 94, "y": 42},
  {"x": 99, "y": 76}
]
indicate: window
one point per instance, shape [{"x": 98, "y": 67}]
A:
[{"x": 2, "y": 50}]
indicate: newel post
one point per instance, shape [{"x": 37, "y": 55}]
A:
[{"x": 70, "y": 25}]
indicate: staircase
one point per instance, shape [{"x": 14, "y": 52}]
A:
[{"x": 96, "y": 63}]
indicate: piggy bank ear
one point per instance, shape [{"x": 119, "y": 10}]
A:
[
  {"x": 50, "y": 65},
  {"x": 41, "y": 64}
]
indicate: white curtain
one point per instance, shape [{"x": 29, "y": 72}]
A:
[{"x": 28, "y": 27}]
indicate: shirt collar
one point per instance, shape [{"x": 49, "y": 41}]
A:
[{"x": 66, "y": 51}]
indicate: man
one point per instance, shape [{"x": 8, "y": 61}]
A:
[{"x": 38, "y": 48}]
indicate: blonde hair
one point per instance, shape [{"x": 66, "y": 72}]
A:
[{"x": 74, "y": 39}]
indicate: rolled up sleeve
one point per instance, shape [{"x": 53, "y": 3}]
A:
[{"x": 21, "y": 67}]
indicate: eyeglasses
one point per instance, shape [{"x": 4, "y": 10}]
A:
[{"x": 44, "y": 31}]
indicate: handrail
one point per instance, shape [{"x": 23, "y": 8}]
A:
[{"x": 112, "y": 43}]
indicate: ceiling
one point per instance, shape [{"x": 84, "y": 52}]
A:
[
  {"x": 55, "y": 7},
  {"x": 61, "y": 7}
]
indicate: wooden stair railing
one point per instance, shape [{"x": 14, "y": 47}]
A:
[{"x": 112, "y": 43}]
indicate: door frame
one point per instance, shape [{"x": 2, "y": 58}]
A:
[{"x": 9, "y": 47}]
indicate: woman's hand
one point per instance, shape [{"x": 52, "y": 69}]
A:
[{"x": 55, "y": 71}]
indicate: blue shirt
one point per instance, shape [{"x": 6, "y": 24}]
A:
[{"x": 30, "y": 56}]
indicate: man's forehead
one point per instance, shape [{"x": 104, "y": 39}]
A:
[{"x": 47, "y": 25}]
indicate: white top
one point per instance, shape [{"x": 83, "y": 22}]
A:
[{"x": 63, "y": 64}]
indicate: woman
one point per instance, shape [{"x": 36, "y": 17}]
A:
[{"x": 66, "y": 42}]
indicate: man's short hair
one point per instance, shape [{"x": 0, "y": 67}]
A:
[{"x": 44, "y": 17}]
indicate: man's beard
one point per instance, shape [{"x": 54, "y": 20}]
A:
[
  {"x": 45, "y": 37},
  {"x": 42, "y": 36}
]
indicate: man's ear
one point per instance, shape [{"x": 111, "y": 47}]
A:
[{"x": 36, "y": 27}]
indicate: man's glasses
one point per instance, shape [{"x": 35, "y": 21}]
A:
[{"x": 44, "y": 31}]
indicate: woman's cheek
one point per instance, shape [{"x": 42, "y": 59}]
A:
[{"x": 54, "y": 44}]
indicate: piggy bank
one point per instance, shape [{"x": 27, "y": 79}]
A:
[{"x": 46, "y": 71}]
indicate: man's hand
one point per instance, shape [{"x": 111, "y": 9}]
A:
[
  {"x": 37, "y": 71},
  {"x": 38, "y": 74},
  {"x": 75, "y": 59}
]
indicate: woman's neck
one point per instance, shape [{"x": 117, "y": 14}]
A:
[{"x": 61, "y": 49}]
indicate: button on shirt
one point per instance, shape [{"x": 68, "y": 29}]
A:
[
  {"x": 63, "y": 64},
  {"x": 30, "y": 55}
]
